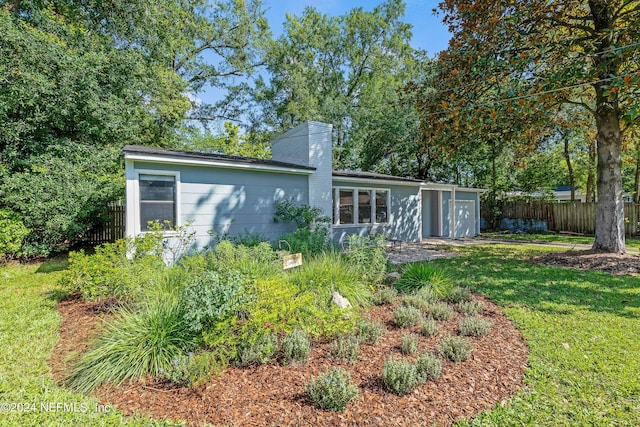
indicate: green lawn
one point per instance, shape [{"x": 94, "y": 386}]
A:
[
  {"x": 554, "y": 238},
  {"x": 28, "y": 332},
  {"x": 583, "y": 329}
]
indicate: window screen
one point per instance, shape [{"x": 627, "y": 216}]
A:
[{"x": 157, "y": 200}]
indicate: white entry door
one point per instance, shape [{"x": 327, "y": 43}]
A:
[{"x": 465, "y": 218}]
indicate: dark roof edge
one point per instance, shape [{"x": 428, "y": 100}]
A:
[
  {"x": 371, "y": 175},
  {"x": 139, "y": 149}
]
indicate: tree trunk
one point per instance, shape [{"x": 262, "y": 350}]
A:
[
  {"x": 636, "y": 182},
  {"x": 572, "y": 178},
  {"x": 610, "y": 213},
  {"x": 590, "y": 174}
]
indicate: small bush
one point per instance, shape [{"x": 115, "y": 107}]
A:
[
  {"x": 470, "y": 308},
  {"x": 369, "y": 257},
  {"x": 308, "y": 242},
  {"x": 295, "y": 346},
  {"x": 474, "y": 326},
  {"x": 401, "y": 376},
  {"x": 429, "y": 367},
  {"x": 458, "y": 294},
  {"x": 441, "y": 311},
  {"x": 255, "y": 261},
  {"x": 406, "y": 317},
  {"x": 384, "y": 295},
  {"x": 192, "y": 369},
  {"x": 409, "y": 344},
  {"x": 346, "y": 348},
  {"x": 12, "y": 233},
  {"x": 257, "y": 349},
  {"x": 332, "y": 390},
  {"x": 370, "y": 332},
  {"x": 416, "y": 276},
  {"x": 422, "y": 301},
  {"x": 139, "y": 342},
  {"x": 429, "y": 327},
  {"x": 456, "y": 349}
]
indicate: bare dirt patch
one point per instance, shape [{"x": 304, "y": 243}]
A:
[
  {"x": 590, "y": 260},
  {"x": 273, "y": 395}
]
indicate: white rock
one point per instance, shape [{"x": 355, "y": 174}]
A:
[{"x": 340, "y": 301}]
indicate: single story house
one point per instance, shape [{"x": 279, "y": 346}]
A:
[{"x": 219, "y": 194}]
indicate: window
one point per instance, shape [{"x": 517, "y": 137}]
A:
[
  {"x": 346, "y": 206},
  {"x": 368, "y": 206},
  {"x": 157, "y": 199}
]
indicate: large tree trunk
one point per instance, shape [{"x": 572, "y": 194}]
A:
[
  {"x": 610, "y": 213},
  {"x": 636, "y": 181},
  {"x": 591, "y": 179},
  {"x": 572, "y": 178}
]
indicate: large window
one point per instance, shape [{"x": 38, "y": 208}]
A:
[
  {"x": 366, "y": 206},
  {"x": 157, "y": 200}
]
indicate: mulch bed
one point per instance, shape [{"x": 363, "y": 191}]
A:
[
  {"x": 273, "y": 395},
  {"x": 592, "y": 260}
]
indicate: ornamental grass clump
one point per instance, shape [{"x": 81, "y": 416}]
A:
[
  {"x": 346, "y": 348},
  {"x": 332, "y": 390},
  {"x": 384, "y": 295},
  {"x": 370, "y": 332},
  {"x": 401, "y": 376},
  {"x": 470, "y": 308},
  {"x": 416, "y": 276},
  {"x": 406, "y": 317},
  {"x": 440, "y": 311},
  {"x": 429, "y": 327},
  {"x": 456, "y": 349},
  {"x": 295, "y": 347},
  {"x": 409, "y": 344},
  {"x": 474, "y": 326},
  {"x": 429, "y": 367}
]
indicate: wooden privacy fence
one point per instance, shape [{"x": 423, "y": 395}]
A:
[
  {"x": 111, "y": 230},
  {"x": 574, "y": 217}
]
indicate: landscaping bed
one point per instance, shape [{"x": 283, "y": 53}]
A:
[
  {"x": 592, "y": 260},
  {"x": 274, "y": 394}
]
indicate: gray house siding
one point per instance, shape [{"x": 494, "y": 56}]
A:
[
  {"x": 446, "y": 199},
  {"x": 230, "y": 201},
  {"x": 404, "y": 213}
]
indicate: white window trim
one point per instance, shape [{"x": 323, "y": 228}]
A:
[
  {"x": 354, "y": 190},
  {"x": 136, "y": 198}
]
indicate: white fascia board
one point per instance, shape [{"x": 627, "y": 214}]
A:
[
  {"x": 215, "y": 163},
  {"x": 450, "y": 187},
  {"x": 370, "y": 181}
]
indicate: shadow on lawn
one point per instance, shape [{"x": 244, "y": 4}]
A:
[{"x": 503, "y": 276}]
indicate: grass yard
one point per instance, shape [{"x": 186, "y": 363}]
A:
[
  {"x": 28, "y": 332},
  {"x": 583, "y": 329},
  {"x": 632, "y": 243}
]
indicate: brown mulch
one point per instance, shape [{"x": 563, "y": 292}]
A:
[
  {"x": 592, "y": 260},
  {"x": 273, "y": 395}
]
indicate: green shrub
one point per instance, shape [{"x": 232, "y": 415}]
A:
[
  {"x": 141, "y": 341},
  {"x": 474, "y": 326},
  {"x": 368, "y": 256},
  {"x": 295, "y": 346},
  {"x": 346, "y": 348},
  {"x": 258, "y": 261},
  {"x": 409, "y": 344},
  {"x": 429, "y": 327},
  {"x": 470, "y": 308},
  {"x": 406, "y": 317},
  {"x": 214, "y": 297},
  {"x": 308, "y": 242},
  {"x": 456, "y": 349},
  {"x": 370, "y": 332},
  {"x": 330, "y": 272},
  {"x": 193, "y": 369},
  {"x": 401, "y": 376},
  {"x": 384, "y": 295},
  {"x": 12, "y": 233},
  {"x": 332, "y": 390},
  {"x": 440, "y": 311},
  {"x": 302, "y": 215},
  {"x": 257, "y": 349},
  {"x": 421, "y": 300},
  {"x": 458, "y": 294},
  {"x": 429, "y": 367},
  {"x": 416, "y": 276}
]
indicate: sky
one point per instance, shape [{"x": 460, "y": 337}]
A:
[{"x": 428, "y": 31}]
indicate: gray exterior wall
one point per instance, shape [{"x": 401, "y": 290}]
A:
[
  {"x": 404, "y": 213},
  {"x": 232, "y": 201},
  {"x": 475, "y": 197},
  {"x": 446, "y": 198}
]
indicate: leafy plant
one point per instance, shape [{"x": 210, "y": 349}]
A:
[
  {"x": 409, "y": 344},
  {"x": 406, "y": 317},
  {"x": 429, "y": 367},
  {"x": 474, "y": 326},
  {"x": 12, "y": 233},
  {"x": 370, "y": 332},
  {"x": 191, "y": 369},
  {"x": 470, "y": 308},
  {"x": 458, "y": 294},
  {"x": 456, "y": 349},
  {"x": 308, "y": 242},
  {"x": 420, "y": 300},
  {"x": 141, "y": 341},
  {"x": 401, "y": 376},
  {"x": 416, "y": 276},
  {"x": 302, "y": 215},
  {"x": 346, "y": 348},
  {"x": 295, "y": 346},
  {"x": 257, "y": 348},
  {"x": 440, "y": 311},
  {"x": 384, "y": 295},
  {"x": 332, "y": 390},
  {"x": 429, "y": 327}
]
